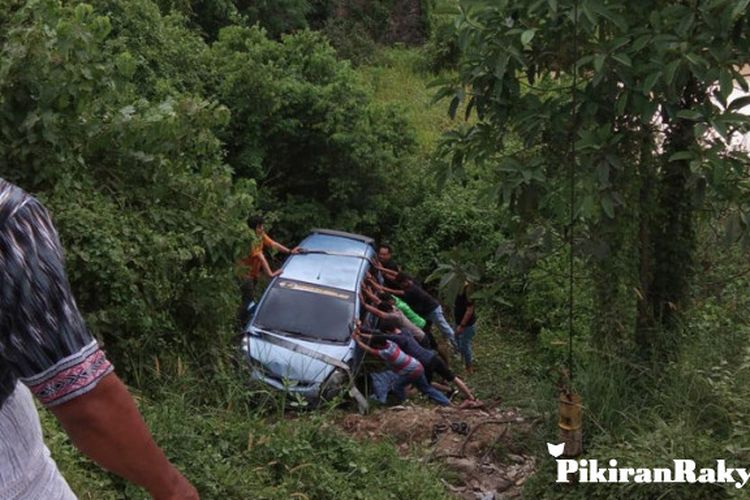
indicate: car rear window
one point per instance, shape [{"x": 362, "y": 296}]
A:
[{"x": 306, "y": 310}]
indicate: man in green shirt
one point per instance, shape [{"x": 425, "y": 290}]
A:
[{"x": 408, "y": 311}]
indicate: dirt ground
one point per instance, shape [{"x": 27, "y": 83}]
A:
[{"x": 477, "y": 447}]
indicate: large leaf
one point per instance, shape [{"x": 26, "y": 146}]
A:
[
  {"x": 527, "y": 36},
  {"x": 608, "y": 205},
  {"x": 682, "y": 155},
  {"x": 623, "y": 59},
  {"x": 690, "y": 114},
  {"x": 739, "y": 103}
]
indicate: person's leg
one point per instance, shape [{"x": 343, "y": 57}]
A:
[
  {"x": 399, "y": 388},
  {"x": 462, "y": 345},
  {"x": 429, "y": 391},
  {"x": 438, "y": 366},
  {"x": 463, "y": 387},
  {"x": 466, "y": 339},
  {"x": 446, "y": 389},
  {"x": 247, "y": 289},
  {"x": 432, "y": 343},
  {"x": 438, "y": 318}
]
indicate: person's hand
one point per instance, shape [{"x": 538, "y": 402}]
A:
[
  {"x": 460, "y": 329},
  {"x": 179, "y": 489},
  {"x": 296, "y": 250}
]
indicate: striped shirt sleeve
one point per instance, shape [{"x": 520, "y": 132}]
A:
[{"x": 43, "y": 338}]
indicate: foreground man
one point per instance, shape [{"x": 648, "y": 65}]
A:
[{"x": 46, "y": 350}]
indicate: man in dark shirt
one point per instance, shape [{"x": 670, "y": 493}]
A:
[
  {"x": 385, "y": 256},
  {"x": 465, "y": 329},
  {"x": 46, "y": 351},
  {"x": 422, "y": 303}
]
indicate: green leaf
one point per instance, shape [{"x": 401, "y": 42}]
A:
[
  {"x": 721, "y": 127},
  {"x": 641, "y": 42},
  {"x": 650, "y": 81},
  {"x": 622, "y": 102},
  {"x": 608, "y": 205},
  {"x": 690, "y": 114},
  {"x": 654, "y": 19},
  {"x": 453, "y": 106},
  {"x": 741, "y": 81},
  {"x": 623, "y": 59},
  {"x": 740, "y": 9},
  {"x": 681, "y": 155},
  {"x": 670, "y": 70},
  {"x": 739, "y": 103},
  {"x": 602, "y": 10},
  {"x": 599, "y": 62},
  {"x": 685, "y": 24},
  {"x": 527, "y": 36},
  {"x": 602, "y": 173},
  {"x": 726, "y": 85}
]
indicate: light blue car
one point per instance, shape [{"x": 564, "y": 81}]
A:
[{"x": 299, "y": 337}]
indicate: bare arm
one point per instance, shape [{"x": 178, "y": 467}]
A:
[
  {"x": 371, "y": 295},
  {"x": 389, "y": 273},
  {"x": 374, "y": 310},
  {"x": 281, "y": 248},
  {"x": 106, "y": 426},
  {"x": 380, "y": 287},
  {"x": 467, "y": 315},
  {"x": 465, "y": 320},
  {"x": 362, "y": 345}
]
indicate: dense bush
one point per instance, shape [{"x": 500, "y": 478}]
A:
[
  {"x": 209, "y": 16},
  {"x": 131, "y": 170},
  {"x": 119, "y": 119},
  {"x": 305, "y": 125}
]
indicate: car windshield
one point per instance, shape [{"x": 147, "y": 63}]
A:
[{"x": 306, "y": 310}]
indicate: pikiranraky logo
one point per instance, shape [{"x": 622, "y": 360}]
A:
[{"x": 681, "y": 471}]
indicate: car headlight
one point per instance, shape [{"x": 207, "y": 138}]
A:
[{"x": 245, "y": 344}]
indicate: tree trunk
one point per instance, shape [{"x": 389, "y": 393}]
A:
[
  {"x": 615, "y": 275},
  {"x": 669, "y": 240}
]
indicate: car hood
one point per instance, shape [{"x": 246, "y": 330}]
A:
[{"x": 284, "y": 364}]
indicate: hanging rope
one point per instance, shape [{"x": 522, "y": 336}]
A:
[{"x": 574, "y": 134}]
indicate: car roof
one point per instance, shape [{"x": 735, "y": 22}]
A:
[{"x": 335, "y": 259}]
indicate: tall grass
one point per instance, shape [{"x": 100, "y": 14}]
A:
[{"x": 235, "y": 442}]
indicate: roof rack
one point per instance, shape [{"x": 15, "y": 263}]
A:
[{"x": 351, "y": 236}]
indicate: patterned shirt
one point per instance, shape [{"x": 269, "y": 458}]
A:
[
  {"x": 400, "y": 362},
  {"x": 43, "y": 340}
]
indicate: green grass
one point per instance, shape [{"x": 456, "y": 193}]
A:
[
  {"x": 396, "y": 79},
  {"x": 238, "y": 450}
]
